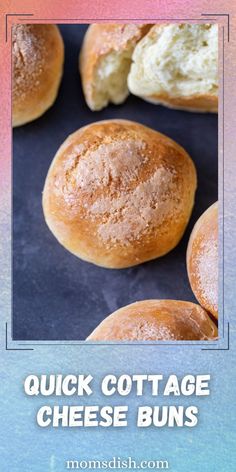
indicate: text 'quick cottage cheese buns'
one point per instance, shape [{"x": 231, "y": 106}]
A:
[
  {"x": 105, "y": 61},
  {"x": 118, "y": 193},
  {"x": 202, "y": 260},
  {"x": 37, "y": 59},
  {"x": 156, "y": 320},
  {"x": 177, "y": 65}
]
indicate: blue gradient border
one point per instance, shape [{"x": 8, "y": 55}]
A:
[{"x": 210, "y": 446}]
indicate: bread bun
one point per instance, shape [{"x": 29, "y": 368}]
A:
[
  {"x": 202, "y": 260},
  {"x": 38, "y": 54},
  {"x": 177, "y": 65},
  {"x": 105, "y": 62},
  {"x": 118, "y": 193},
  {"x": 156, "y": 320}
]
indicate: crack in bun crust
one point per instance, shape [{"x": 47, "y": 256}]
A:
[
  {"x": 118, "y": 193},
  {"x": 177, "y": 65}
]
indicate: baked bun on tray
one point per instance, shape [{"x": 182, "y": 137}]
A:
[
  {"x": 170, "y": 64},
  {"x": 156, "y": 320},
  {"x": 118, "y": 193},
  {"x": 202, "y": 260},
  {"x": 37, "y": 57},
  {"x": 105, "y": 60}
]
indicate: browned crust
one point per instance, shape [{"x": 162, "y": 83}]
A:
[
  {"x": 38, "y": 55},
  {"x": 118, "y": 193},
  {"x": 99, "y": 41},
  {"x": 197, "y": 103},
  {"x": 156, "y": 320},
  {"x": 202, "y": 260}
]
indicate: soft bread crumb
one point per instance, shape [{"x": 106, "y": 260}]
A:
[
  {"x": 111, "y": 79},
  {"x": 176, "y": 61},
  {"x": 105, "y": 62}
]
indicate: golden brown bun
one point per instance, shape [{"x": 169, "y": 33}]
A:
[
  {"x": 38, "y": 55},
  {"x": 197, "y": 103},
  {"x": 202, "y": 260},
  {"x": 156, "y": 320},
  {"x": 105, "y": 61},
  {"x": 177, "y": 65},
  {"x": 118, "y": 193}
]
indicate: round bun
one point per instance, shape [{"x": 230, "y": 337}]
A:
[
  {"x": 38, "y": 55},
  {"x": 105, "y": 61},
  {"x": 202, "y": 260},
  {"x": 156, "y": 320},
  {"x": 177, "y": 65},
  {"x": 118, "y": 193}
]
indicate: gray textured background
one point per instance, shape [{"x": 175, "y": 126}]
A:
[{"x": 55, "y": 295}]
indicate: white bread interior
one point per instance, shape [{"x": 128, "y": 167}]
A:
[
  {"x": 111, "y": 79},
  {"x": 105, "y": 61},
  {"x": 174, "y": 61}
]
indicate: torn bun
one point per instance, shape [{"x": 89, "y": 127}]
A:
[{"x": 105, "y": 61}]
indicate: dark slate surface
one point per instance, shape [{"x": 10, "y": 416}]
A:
[{"x": 55, "y": 295}]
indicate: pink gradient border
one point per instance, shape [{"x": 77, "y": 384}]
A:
[{"x": 149, "y": 10}]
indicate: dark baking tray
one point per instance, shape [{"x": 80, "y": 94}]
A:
[{"x": 56, "y": 295}]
